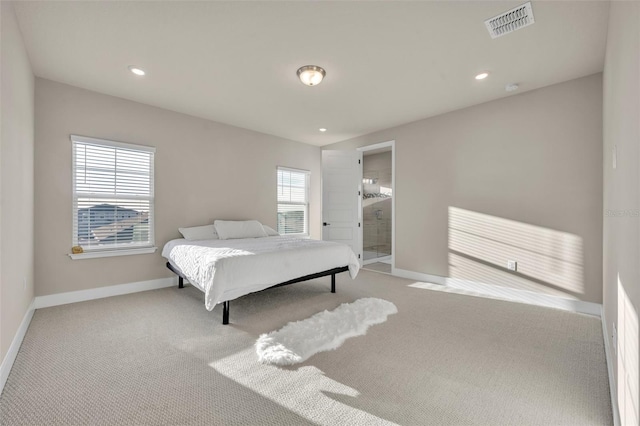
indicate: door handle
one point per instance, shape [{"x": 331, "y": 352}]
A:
[{"x": 325, "y": 224}]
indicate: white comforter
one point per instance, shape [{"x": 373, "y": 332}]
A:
[{"x": 228, "y": 269}]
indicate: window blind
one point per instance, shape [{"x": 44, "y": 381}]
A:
[
  {"x": 293, "y": 201},
  {"x": 113, "y": 194}
]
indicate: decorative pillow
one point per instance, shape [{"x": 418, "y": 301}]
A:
[
  {"x": 270, "y": 231},
  {"x": 231, "y": 229},
  {"x": 206, "y": 232}
]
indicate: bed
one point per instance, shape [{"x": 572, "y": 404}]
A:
[{"x": 227, "y": 269}]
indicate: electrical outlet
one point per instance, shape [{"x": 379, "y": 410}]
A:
[
  {"x": 614, "y": 337},
  {"x": 512, "y": 265}
]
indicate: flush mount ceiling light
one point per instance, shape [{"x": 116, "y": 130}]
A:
[
  {"x": 136, "y": 71},
  {"x": 322, "y": 129},
  {"x": 482, "y": 76},
  {"x": 311, "y": 75}
]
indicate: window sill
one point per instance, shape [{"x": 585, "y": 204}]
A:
[{"x": 112, "y": 253}]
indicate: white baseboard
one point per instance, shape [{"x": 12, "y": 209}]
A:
[
  {"x": 12, "y": 353},
  {"x": 515, "y": 295},
  {"x": 613, "y": 390},
  {"x": 101, "y": 292},
  {"x": 419, "y": 276}
]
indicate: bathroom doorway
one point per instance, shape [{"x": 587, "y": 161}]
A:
[{"x": 377, "y": 204}]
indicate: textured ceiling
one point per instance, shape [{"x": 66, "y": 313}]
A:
[{"x": 387, "y": 63}]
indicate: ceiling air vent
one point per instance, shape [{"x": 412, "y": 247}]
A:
[{"x": 514, "y": 19}]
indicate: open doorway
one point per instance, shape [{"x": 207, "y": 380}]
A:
[{"x": 377, "y": 203}]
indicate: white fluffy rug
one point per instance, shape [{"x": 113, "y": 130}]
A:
[{"x": 298, "y": 341}]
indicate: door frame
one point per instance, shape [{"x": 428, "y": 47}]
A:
[{"x": 392, "y": 144}]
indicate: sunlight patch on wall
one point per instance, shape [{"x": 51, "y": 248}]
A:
[
  {"x": 545, "y": 255},
  {"x": 467, "y": 269},
  {"x": 627, "y": 375}
]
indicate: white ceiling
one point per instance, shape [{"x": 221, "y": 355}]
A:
[{"x": 387, "y": 63}]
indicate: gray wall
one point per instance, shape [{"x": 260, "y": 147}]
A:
[
  {"x": 531, "y": 162},
  {"x": 203, "y": 171},
  {"x": 621, "y": 277},
  {"x": 16, "y": 179}
]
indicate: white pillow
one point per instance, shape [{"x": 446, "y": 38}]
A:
[
  {"x": 206, "y": 232},
  {"x": 270, "y": 231},
  {"x": 231, "y": 229}
]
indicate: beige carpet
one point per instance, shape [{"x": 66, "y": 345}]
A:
[{"x": 160, "y": 358}]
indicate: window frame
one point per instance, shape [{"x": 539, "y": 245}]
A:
[
  {"x": 111, "y": 250},
  {"x": 306, "y": 203}
]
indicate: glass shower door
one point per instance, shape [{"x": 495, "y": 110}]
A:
[{"x": 377, "y": 227}]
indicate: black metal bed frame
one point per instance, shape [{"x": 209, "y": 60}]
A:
[{"x": 225, "y": 304}]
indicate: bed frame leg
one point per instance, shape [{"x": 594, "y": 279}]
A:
[
  {"x": 333, "y": 283},
  {"x": 225, "y": 312},
  {"x": 180, "y": 282}
]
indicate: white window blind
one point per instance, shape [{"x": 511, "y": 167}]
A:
[
  {"x": 293, "y": 201},
  {"x": 113, "y": 194}
]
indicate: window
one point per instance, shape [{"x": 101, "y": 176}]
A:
[
  {"x": 293, "y": 201},
  {"x": 112, "y": 196}
]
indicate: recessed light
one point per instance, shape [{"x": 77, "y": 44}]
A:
[
  {"x": 136, "y": 71},
  {"x": 322, "y": 129},
  {"x": 482, "y": 76}
]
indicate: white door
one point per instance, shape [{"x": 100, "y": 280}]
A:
[{"x": 341, "y": 198}]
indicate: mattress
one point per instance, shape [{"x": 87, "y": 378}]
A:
[{"x": 228, "y": 269}]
